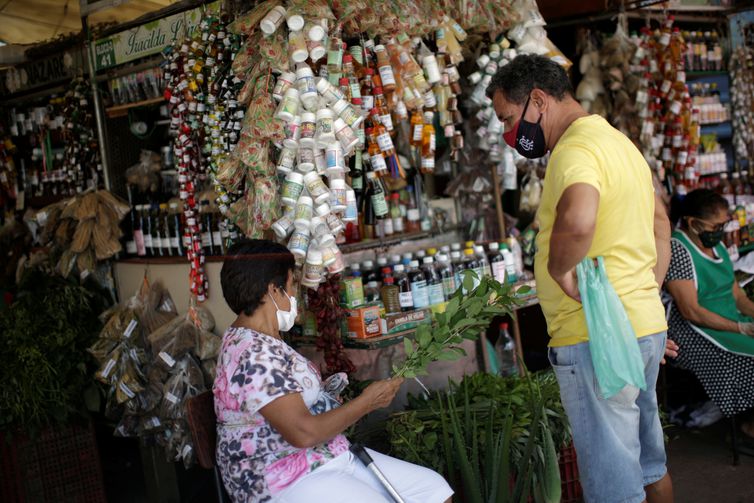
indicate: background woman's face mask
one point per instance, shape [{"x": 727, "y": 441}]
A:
[
  {"x": 526, "y": 137},
  {"x": 712, "y": 238}
]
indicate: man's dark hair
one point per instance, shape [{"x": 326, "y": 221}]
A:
[
  {"x": 700, "y": 203},
  {"x": 249, "y": 268},
  {"x": 526, "y": 72}
]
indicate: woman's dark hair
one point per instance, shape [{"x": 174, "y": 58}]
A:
[
  {"x": 526, "y": 72},
  {"x": 699, "y": 203},
  {"x": 249, "y": 268}
]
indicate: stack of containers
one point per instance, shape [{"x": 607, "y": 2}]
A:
[{"x": 341, "y": 122}]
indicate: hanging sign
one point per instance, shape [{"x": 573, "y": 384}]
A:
[
  {"x": 147, "y": 39},
  {"x": 39, "y": 73}
]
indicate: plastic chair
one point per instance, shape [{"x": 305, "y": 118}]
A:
[{"x": 200, "y": 413}]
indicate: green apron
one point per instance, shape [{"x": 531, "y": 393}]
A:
[{"x": 714, "y": 285}]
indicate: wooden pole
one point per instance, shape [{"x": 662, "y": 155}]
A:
[{"x": 498, "y": 201}]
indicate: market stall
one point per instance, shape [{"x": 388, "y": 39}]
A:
[{"x": 357, "y": 134}]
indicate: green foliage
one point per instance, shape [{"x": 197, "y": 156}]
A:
[
  {"x": 43, "y": 339},
  {"x": 466, "y": 315},
  {"x": 485, "y": 431}
]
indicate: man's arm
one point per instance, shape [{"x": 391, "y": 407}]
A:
[
  {"x": 572, "y": 234},
  {"x": 662, "y": 240}
]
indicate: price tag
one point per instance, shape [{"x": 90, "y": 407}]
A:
[
  {"x": 167, "y": 305},
  {"x": 126, "y": 390},
  {"x": 108, "y": 368},
  {"x": 130, "y": 328},
  {"x": 169, "y": 360}
]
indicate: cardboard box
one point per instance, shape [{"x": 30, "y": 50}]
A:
[
  {"x": 398, "y": 322},
  {"x": 351, "y": 293},
  {"x": 364, "y": 322}
]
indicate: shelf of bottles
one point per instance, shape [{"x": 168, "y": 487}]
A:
[
  {"x": 739, "y": 231},
  {"x": 386, "y": 297},
  {"x": 155, "y": 233},
  {"x": 54, "y": 147},
  {"x": 686, "y": 95}
]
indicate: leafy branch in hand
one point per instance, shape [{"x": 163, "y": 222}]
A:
[{"x": 469, "y": 311}]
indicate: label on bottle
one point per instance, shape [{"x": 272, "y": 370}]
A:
[
  {"x": 157, "y": 242},
  {"x": 436, "y": 294},
  {"x": 398, "y": 225},
  {"x": 378, "y": 163},
  {"x": 131, "y": 247},
  {"x": 665, "y": 87},
  {"x": 386, "y": 74},
  {"x": 357, "y": 179},
  {"x": 406, "y": 299},
  {"x": 387, "y": 227},
  {"x": 166, "y": 246},
  {"x": 335, "y": 58},
  {"x": 175, "y": 242},
  {"x": 498, "y": 271},
  {"x": 367, "y": 102},
  {"x": 432, "y": 142},
  {"x": 449, "y": 285},
  {"x": 206, "y": 239},
  {"x": 148, "y": 241},
  {"x": 420, "y": 293},
  {"x": 387, "y": 121},
  {"x": 510, "y": 268},
  {"x": 217, "y": 238},
  {"x": 379, "y": 204},
  {"x": 355, "y": 90},
  {"x": 416, "y": 136},
  {"x": 140, "y": 245},
  {"x": 385, "y": 142}
]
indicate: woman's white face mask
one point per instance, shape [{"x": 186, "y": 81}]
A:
[{"x": 286, "y": 319}]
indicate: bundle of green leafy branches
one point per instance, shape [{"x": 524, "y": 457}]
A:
[
  {"x": 46, "y": 369},
  {"x": 486, "y": 431},
  {"x": 469, "y": 311}
]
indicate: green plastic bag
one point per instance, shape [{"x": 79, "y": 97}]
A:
[{"x": 613, "y": 345}]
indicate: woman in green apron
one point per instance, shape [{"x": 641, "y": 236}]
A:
[{"x": 710, "y": 317}]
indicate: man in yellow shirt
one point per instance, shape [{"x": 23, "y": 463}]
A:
[{"x": 597, "y": 200}]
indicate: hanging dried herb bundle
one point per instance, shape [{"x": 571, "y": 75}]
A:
[
  {"x": 83, "y": 230},
  {"x": 325, "y": 304}
]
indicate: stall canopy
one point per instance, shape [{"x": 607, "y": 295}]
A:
[{"x": 32, "y": 21}]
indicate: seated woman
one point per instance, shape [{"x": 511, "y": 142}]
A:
[
  {"x": 279, "y": 427},
  {"x": 709, "y": 316}
]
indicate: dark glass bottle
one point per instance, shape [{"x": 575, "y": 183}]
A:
[{"x": 405, "y": 296}]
